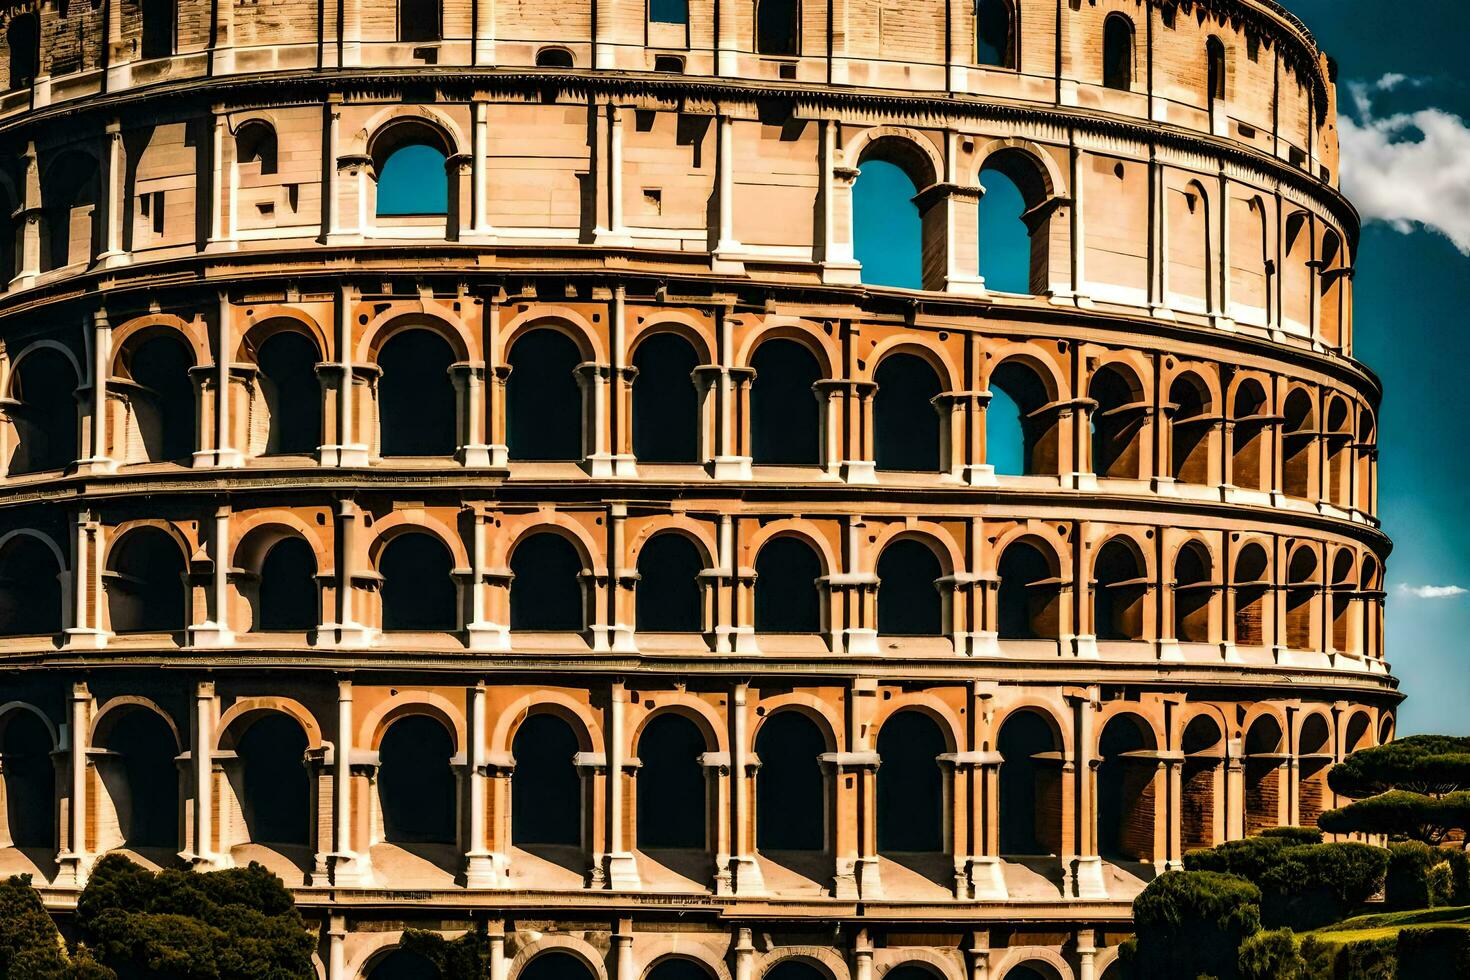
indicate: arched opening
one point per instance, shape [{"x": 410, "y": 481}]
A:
[
  {"x": 1248, "y": 436},
  {"x": 416, "y": 399},
  {"x": 1126, "y": 790},
  {"x": 1215, "y": 71},
  {"x": 275, "y": 789},
  {"x": 1119, "y": 588},
  {"x": 404, "y": 964},
  {"x": 1252, "y": 584},
  {"x": 255, "y": 143},
  {"x": 140, "y": 776},
  {"x": 162, "y": 396},
  {"x": 288, "y": 589},
  {"x": 911, "y": 791},
  {"x": 1020, "y": 438},
  {"x": 790, "y": 791},
  {"x": 912, "y": 971},
  {"x": 668, "y": 596},
  {"x": 69, "y": 195},
  {"x": 909, "y": 602},
  {"x": 679, "y": 968},
  {"x": 28, "y": 776},
  {"x": 1359, "y": 734},
  {"x": 419, "y": 593},
  {"x": 30, "y": 588},
  {"x": 1194, "y": 590},
  {"x": 160, "y": 18},
  {"x": 416, "y": 784},
  {"x": 1329, "y": 305},
  {"x": 410, "y": 162},
  {"x": 1015, "y": 226},
  {"x": 145, "y": 583},
  {"x": 546, "y": 585},
  {"x": 794, "y": 969},
  {"x": 554, "y": 58},
  {"x": 671, "y": 785},
  {"x": 1118, "y": 53},
  {"x": 293, "y": 396},
  {"x": 906, "y": 425},
  {"x": 1200, "y": 784},
  {"x": 1302, "y": 586},
  {"x": 995, "y": 34},
  {"x": 785, "y": 418},
  {"x": 543, "y": 399},
  {"x": 777, "y": 27},
  {"x": 1034, "y": 970},
  {"x": 419, "y": 20},
  {"x": 1338, "y": 435},
  {"x": 1265, "y": 770},
  {"x": 546, "y": 791},
  {"x": 1314, "y": 758},
  {"x": 1299, "y": 442},
  {"x": 1116, "y": 422},
  {"x": 1343, "y": 593},
  {"x": 666, "y": 416},
  {"x": 787, "y": 594},
  {"x": 1190, "y": 424},
  {"x": 887, "y": 226},
  {"x": 1028, "y": 603},
  {"x": 1370, "y": 592},
  {"x": 1030, "y": 785},
  {"x": 555, "y": 965},
  {"x": 23, "y": 38}
]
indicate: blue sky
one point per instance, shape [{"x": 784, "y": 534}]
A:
[{"x": 1404, "y": 102}]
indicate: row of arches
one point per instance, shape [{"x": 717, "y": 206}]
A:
[{"x": 1303, "y": 599}]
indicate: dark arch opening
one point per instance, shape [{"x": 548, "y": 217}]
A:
[
  {"x": 679, "y": 968},
  {"x": 255, "y": 142},
  {"x": 1020, "y": 439},
  {"x": 164, "y": 402},
  {"x": 555, "y": 965},
  {"x": 787, "y": 596},
  {"x": 909, "y": 603},
  {"x": 906, "y": 427},
  {"x": 1193, "y": 590},
  {"x": 665, "y": 403},
  {"x": 1117, "y": 424},
  {"x": 785, "y": 419},
  {"x": 790, "y": 794},
  {"x": 1189, "y": 430},
  {"x": 275, "y": 792},
  {"x": 23, "y": 37},
  {"x": 554, "y": 58},
  {"x": 1030, "y": 786},
  {"x": 1252, "y": 586},
  {"x": 794, "y": 969},
  {"x": 145, "y": 585},
  {"x": 1301, "y": 594},
  {"x": 910, "y": 785},
  {"x": 159, "y": 20},
  {"x": 668, "y": 596},
  {"x": 1248, "y": 413},
  {"x": 777, "y": 27},
  {"x": 69, "y": 193},
  {"x": 1012, "y": 250},
  {"x": 671, "y": 784},
  {"x": 1028, "y": 594},
  {"x": 1125, "y": 800},
  {"x": 995, "y": 39},
  {"x": 546, "y": 585},
  {"x": 416, "y": 783},
  {"x": 411, "y": 164},
  {"x": 1118, "y": 592},
  {"x": 1314, "y": 754},
  {"x": 416, "y": 399},
  {"x": 293, "y": 396},
  {"x": 30, "y": 588},
  {"x": 142, "y": 779},
  {"x": 1203, "y": 755},
  {"x": 1264, "y": 760},
  {"x": 419, "y": 20},
  {"x": 1215, "y": 72},
  {"x": 1118, "y": 53},
  {"x": 543, "y": 399},
  {"x": 30, "y": 781},
  {"x": 887, "y": 227},
  {"x": 1299, "y": 441},
  {"x": 546, "y": 791},
  {"x": 288, "y": 590},
  {"x": 911, "y": 971},
  {"x": 418, "y": 585},
  {"x": 404, "y": 964}
]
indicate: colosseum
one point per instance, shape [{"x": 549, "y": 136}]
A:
[{"x": 453, "y": 455}]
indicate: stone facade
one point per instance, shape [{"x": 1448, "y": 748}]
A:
[{"x": 280, "y": 474}]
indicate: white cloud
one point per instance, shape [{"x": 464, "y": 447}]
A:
[
  {"x": 1405, "y": 181},
  {"x": 1431, "y": 591}
]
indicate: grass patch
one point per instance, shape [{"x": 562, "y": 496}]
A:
[{"x": 1382, "y": 925}]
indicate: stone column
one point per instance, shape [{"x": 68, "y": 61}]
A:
[
  {"x": 348, "y": 867},
  {"x": 744, "y": 873},
  {"x": 337, "y": 947},
  {"x": 112, "y": 203},
  {"x": 201, "y": 759},
  {"x": 468, "y": 378},
  {"x": 479, "y": 870},
  {"x": 73, "y": 861},
  {"x": 1086, "y": 955},
  {"x": 1083, "y": 870},
  {"x": 726, "y": 244},
  {"x": 620, "y": 871},
  {"x": 31, "y": 216}
]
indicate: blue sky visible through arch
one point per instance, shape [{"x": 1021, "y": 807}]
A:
[{"x": 413, "y": 181}]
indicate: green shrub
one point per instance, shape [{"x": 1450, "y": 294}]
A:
[
  {"x": 1192, "y": 923},
  {"x": 1432, "y": 952},
  {"x": 30, "y": 945},
  {"x": 467, "y": 957},
  {"x": 1293, "y": 835},
  {"x": 1366, "y": 959},
  {"x": 1302, "y": 885},
  {"x": 1271, "y": 956},
  {"x": 1459, "y": 862},
  {"x": 1250, "y": 858},
  {"x": 1419, "y": 877}
]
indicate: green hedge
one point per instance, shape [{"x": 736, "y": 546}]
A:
[
  {"x": 1189, "y": 923},
  {"x": 1303, "y": 885},
  {"x": 1366, "y": 959},
  {"x": 1433, "y": 952},
  {"x": 1271, "y": 955},
  {"x": 1419, "y": 876}
]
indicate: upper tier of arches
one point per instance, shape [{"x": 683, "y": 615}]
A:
[{"x": 1270, "y": 88}]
